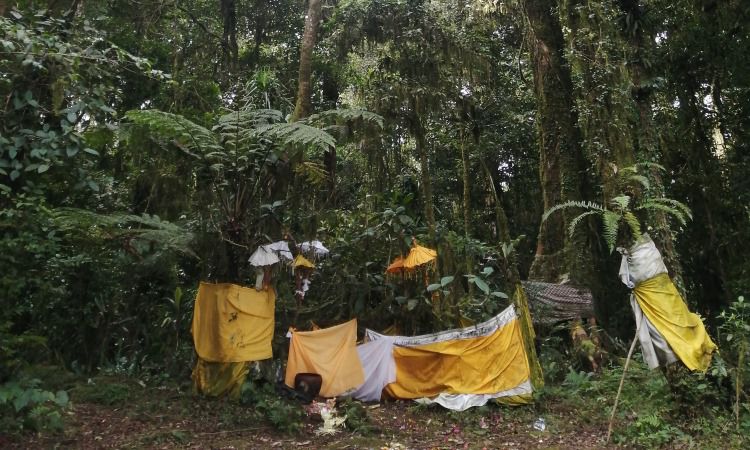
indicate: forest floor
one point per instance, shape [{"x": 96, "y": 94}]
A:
[{"x": 121, "y": 412}]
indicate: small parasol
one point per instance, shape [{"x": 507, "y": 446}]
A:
[
  {"x": 317, "y": 248},
  {"x": 419, "y": 256},
  {"x": 263, "y": 259},
  {"x": 397, "y": 266},
  {"x": 302, "y": 262},
  {"x": 281, "y": 248}
]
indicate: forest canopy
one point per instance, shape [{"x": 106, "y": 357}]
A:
[{"x": 149, "y": 145}]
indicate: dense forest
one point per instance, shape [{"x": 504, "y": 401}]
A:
[{"x": 150, "y": 145}]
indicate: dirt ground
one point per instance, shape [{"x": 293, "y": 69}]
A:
[{"x": 167, "y": 417}]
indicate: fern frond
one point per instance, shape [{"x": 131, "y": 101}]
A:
[
  {"x": 250, "y": 118},
  {"x": 675, "y": 204},
  {"x": 574, "y": 223},
  {"x": 611, "y": 224},
  {"x": 634, "y": 224},
  {"x": 165, "y": 127},
  {"x": 146, "y": 228},
  {"x": 640, "y": 179},
  {"x": 650, "y": 165},
  {"x": 315, "y": 173},
  {"x": 348, "y": 115},
  {"x": 621, "y": 201},
  {"x": 644, "y": 164},
  {"x": 572, "y": 204},
  {"x": 298, "y": 134},
  {"x": 664, "y": 208}
]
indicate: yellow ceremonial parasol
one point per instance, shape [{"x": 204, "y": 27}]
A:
[
  {"x": 419, "y": 256},
  {"x": 302, "y": 262}
]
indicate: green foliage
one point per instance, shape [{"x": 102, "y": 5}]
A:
[
  {"x": 16, "y": 350},
  {"x": 103, "y": 392},
  {"x": 285, "y": 415},
  {"x": 620, "y": 213},
  {"x": 652, "y": 431},
  {"x": 137, "y": 233},
  {"x": 735, "y": 345},
  {"x": 177, "y": 130},
  {"x": 357, "y": 419},
  {"x": 25, "y": 406},
  {"x": 66, "y": 72}
]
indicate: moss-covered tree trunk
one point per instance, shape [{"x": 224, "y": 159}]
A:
[
  {"x": 229, "y": 35},
  {"x": 417, "y": 129},
  {"x": 303, "y": 107},
  {"x": 466, "y": 206},
  {"x": 558, "y": 135}
]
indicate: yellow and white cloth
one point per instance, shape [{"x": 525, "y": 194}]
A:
[
  {"x": 667, "y": 330},
  {"x": 461, "y": 368}
]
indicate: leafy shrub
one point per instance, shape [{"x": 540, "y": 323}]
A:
[
  {"x": 286, "y": 416},
  {"x": 110, "y": 394},
  {"x": 651, "y": 431},
  {"x": 357, "y": 419},
  {"x": 24, "y": 406},
  {"x": 735, "y": 345}
]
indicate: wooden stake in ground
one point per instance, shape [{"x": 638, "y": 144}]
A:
[{"x": 622, "y": 380}]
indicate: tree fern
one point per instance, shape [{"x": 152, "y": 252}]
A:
[
  {"x": 313, "y": 172},
  {"x": 152, "y": 229},
  {"x": 347, "y": 115},
  {"x": 168, "y": 128},
  {"x": 298, "y": 134}
]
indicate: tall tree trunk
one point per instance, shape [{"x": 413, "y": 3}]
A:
[
  {"x": 645, "y": 139},
  {"x": 520, "y": 301},
  {"x": 303, "y": 108},
  {"x": 229, "y": 37},
  {"x": 559, "y": 139},
  {"x": 469, "y": 261},
  {"x": 424, "y": 168}
]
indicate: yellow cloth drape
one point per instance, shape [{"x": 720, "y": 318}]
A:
[
  {"x": 218, "y": 379},
  {"x": 683, "y": 330},
  {"x": 329, "y": 352},
  {"x": 481, "y": 365},
  {"x": 232, "y": 323}
]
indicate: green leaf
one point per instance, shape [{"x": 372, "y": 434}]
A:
[
  {"x": 433, "y": 287},
  {"x": 482, "y": 285},
  {"x": 499, "y": 294},
  {"x": 446, "y": 280},
  {"x": 177, "y": 297},
  {"x": 42, "y": 168},
  {"x": 412, "y": 303},
  {"x": 611, "y": 222},
  {"x": 61, "y": 398}
]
